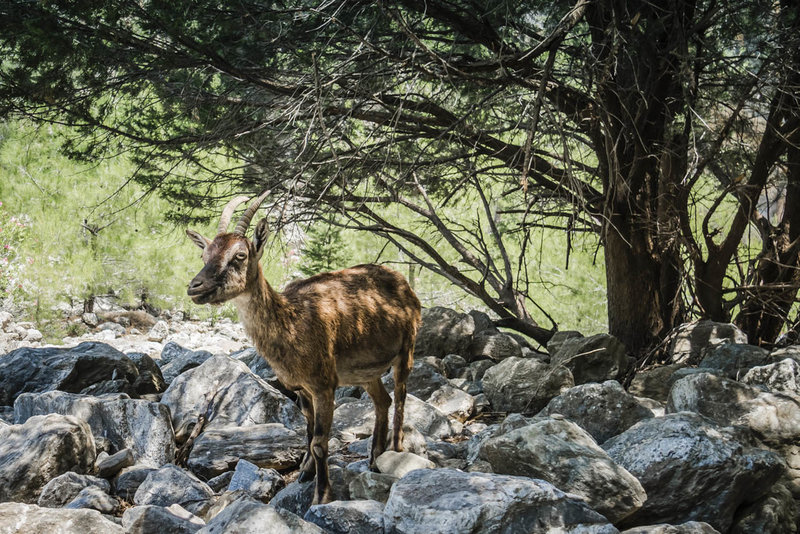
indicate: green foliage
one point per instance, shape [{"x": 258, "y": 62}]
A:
[
  {"x": 13, "y": 233},
  {"x": 324, "y": 250}
]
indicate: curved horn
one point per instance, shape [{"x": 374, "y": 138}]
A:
[
  {"x": 247, "y": 216},
  {"x": 227, "y": 213}
]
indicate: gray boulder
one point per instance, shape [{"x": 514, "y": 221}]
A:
[
  {"x": 269, "y": 446},
  {"x": 565, "y": 455},
  {"x": 792, "y": 351},
  {"x": 424, "y": 380},
  {"x": 150, "y": 379},
  {"x": 733, "y": 359},
  {"x": 22, "y": 518},
  {"x": 151, "y": 519},
  {"x": 779, "y": 377},
  {"x": 114, "y": 463},
  {"x": 654, "y": 383},
  {"x": 453, "y": 365},
  {"x": 524, "y": 385},
  {"x": 63, "y": 488},
  {"x": 245, "y": 516},
  {"x": 94, "y": 498},
  {"x": 453, "y": 402},
  {"x": 260, "y": 484},
  {"x": 176, "y": 360},
  {"x": 139, "y": 425},
  {"x": 689, "y": 342},
  {"x": 690, "y": 527},
  {"x": 39, "y": 450},
  {"x": 347, "y": 517},
  {"x": 774, "y": 513},
  {"x": 354, "y": 420},
  {"x": 557, "y": 340},
  {"x": 775, "y": 419},
  {"x": 444, "y": 331},
  {"x": 372, "y": 486},
  {"x": 593, "y": 359},
  {"x": 603, "y": 410},
  {"x": 431, "y": 501},
  {"x": 129, "y": 479},
  {"x": 172, "y": 485},
  {"x": 399, "y": 464},
  {"x": 227, "y": 393},
  {"x": 74, "y": 369},
  {"x": 687, "y": 455},
  {"x": 495, "y": 346}
]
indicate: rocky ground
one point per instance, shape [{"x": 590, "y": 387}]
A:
[{"x": 149, "y": 425}]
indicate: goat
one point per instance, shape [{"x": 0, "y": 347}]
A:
[{"x": 339, "y": 328}]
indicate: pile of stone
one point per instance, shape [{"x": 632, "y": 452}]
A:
[{"x": 499, "y": 438}]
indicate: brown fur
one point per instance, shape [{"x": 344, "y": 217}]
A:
[{"x": 339, "y": 328}]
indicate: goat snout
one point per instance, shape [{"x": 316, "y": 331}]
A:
[{"x": 196, "y": 287}]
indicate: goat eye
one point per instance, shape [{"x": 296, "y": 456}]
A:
[{"x": 241, "y": 256}]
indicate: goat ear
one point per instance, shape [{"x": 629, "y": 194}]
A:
[
  {"x": 260, "y": 237},
  {"x": 199, "y": 240}
]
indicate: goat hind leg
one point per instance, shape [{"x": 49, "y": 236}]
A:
[
  {"x": 323, "y": 417},
  {"x": 307, "y": 466},
  {"x": 381, "y": 400},
  {"x": 401, "y": 371}
]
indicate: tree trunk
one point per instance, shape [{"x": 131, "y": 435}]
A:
[{"x": 636, "y": 306}]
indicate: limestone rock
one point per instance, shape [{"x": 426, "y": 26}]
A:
[
  {"x": 494, "y": 346},
  {"x": 603, "y": 410},
  {"x": 72, "y": 370},
  {"x": 348, "y": 517},
  {"x": 563, "y": 454},
  {"x": 228, "y": 393},
  {"x": 261, "y": 484},
  {"x": 688, "y": 455},
  {"x": 45, "y": 446},
  {"x": 775, "y": 419},
  {"x": 151, "y": 519},
  {"x": 250, "y": 517},
  {"x": 593, "y": 359},
  {"x": 444, "y": 331},
  {"x": 733, "y": 359},
  {"x": 176, "y": 360},
  {"x": 63, "y": 488},
  {"x": 690, "y": 342},
  {"x": 21, "y": 518},
  {"x": 654, "y": 383},
  {"x": 399, "y": 464},
  {"x": 429, "y": 501},
  {"x": 453, "y": 402},
  {"x": 524, "y": 385},
  {"x": 355, "y": 420},
  {"x": 170, "y": 485},
  {"x": 94, "y": 498},
  {"x": 139, "y": 425},
  {"x": 779, "y": 377},
  {"x": 372, "y": 486},
  {"x": 269, "y": 446}
]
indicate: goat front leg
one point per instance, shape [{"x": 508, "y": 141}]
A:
[
  {"x": 323, "y": 418},
  {"x": 308, "y": 466},
  {"x": 381, "y": 400}
]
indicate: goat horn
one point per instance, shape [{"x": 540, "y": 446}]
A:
[
  {"x": 247, "y": 216},
  {"x": 227, "y": 213}
]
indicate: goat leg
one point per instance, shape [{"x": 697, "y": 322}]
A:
[
  {"x": 381, "y": 400},
  {"x": 323, "y": 418},
  {"x": 307, "y": 466}
]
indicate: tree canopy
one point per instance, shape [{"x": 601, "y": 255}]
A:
[{"x": 669, "y": 129}]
